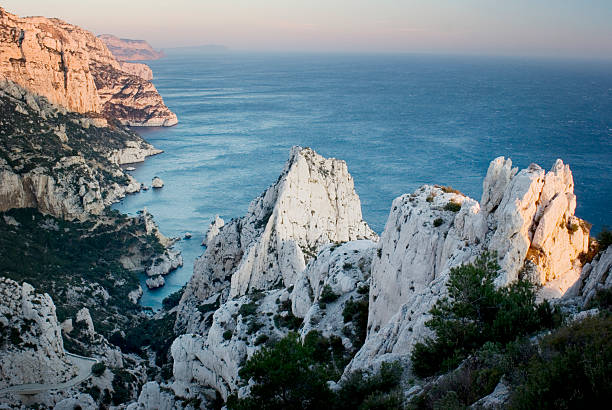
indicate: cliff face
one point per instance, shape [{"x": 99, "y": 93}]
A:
[
  {"x": 312, "y": 203},
  {"x": 31, "y": 347},
  {"x": 125, "y": 49},
  {"x": 60, "y": 162},
  {"x": 73, "y": 68},
  {"x": 527, "y": 218}
]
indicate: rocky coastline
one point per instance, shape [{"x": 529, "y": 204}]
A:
[{"x": 301, "y": 266}]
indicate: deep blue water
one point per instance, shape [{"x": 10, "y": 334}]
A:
[{"x": 398, "y": 121}]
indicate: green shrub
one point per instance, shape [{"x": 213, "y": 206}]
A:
[
  {"x": 173, "y": 299},
  {"x": 248, "y": 309},
  {"x": 289, "y": 321},
  {"x": 476, "y": 312},
  {"x": 328, "y": 295},
  {"x": 357, "y": 313},
  {"x": 359, "y": 390},
  {"x": 574, "y": 369},
  {"x": 98, "y": 369},
  {"x": 285, "y": 376},
  {"x": 292, "y": 375},
  {"x": 452, "y": 206},
  {"x": 437, "y": 222},
  {"x": 602, "y": 300},
  {"x": 604, "y": 239},
  {"x": 227, "y": 335},
  {"x": 262, "y": 338}
]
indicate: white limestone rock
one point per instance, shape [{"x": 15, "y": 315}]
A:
[
  {"x": 35, "y": 352},
  {"x": 166, "y": 263},
  {"x": 213, "y": 230},
  {"x": 312, "y": 203},
  {"x": 155, "y": 282},
  {"x": 135, "y": 294},
  {"x": 157, "y": 183},
  {"x": 214, "y": 358},
  {"x": 152, "y": 398},
  {"x": 134, "y": 151},
  {"x": 84, "y": 317},
  {"x": 595, "y": 276},
  {"x": 241, "y": 326},
  {"x": 80, "y": 401},
  {"x": 346, "y": 270},
  {"x": 526, "y": 217}
]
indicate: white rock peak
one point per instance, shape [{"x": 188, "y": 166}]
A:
[
  {"x": 312, "y": 203},
  {"x": 526, "y": 217}
]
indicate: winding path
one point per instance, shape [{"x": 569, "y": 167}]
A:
[{"x": 83, "y": 365}]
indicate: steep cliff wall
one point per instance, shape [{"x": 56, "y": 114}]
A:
[
  {"x": 60, "y": 162},
  {"x": 73, "y": 68}
]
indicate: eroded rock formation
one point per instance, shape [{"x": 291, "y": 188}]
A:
[
  {"x": 312, "y": 203},
  {"x": 73, "y": 68},
  {"x": 31, "y": 346},
  {"x": 526, "y": 217}
]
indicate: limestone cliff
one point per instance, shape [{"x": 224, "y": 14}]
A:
[
  {"x": 63, "y": 163},
  {"x": 125, "y": 49},
  {"x": 31, "y": 347},
  {"x": 73, "y": 68},
  {"x": 527, "y": 218},
  {"x": 312, "y": 203}
]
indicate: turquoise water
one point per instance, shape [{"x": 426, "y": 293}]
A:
[{"x": 398, "y": 121}]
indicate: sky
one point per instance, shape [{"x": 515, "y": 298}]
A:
[{"x": 556, "y": 28}]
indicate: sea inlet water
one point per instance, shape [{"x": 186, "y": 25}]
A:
[{"x": 399, "y": 121}]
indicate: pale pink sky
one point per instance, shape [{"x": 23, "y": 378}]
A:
[{"x": 519, "y": 27}]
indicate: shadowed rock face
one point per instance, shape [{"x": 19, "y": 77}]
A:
[{"x": 73, "y": 68}]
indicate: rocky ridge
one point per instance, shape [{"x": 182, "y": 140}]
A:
[
  {"x": 526, "y": 218},
  {"x": 312, "y": 203},
  {"x": 73, "y": 68}
]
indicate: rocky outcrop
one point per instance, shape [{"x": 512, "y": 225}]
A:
[
  {"x": 152, "y": 397},
  {"x": 156, "y": 282},
  {"x": 526, "y": 217},
  {"x": 125, "y": 49},
  {"x": 138, "y": 69},
  {"x": 85, "y": 336},
  {"x": 167, "y": 262},
  {"x": 157, "y": 183},
  {"x": 62, "y": 163},
  {"x": 312, "y": 203},
  {"x": 213, "y": 230},
  {"x": 596, "y": 276},
  {"x": 73, "y": 68},
  {"x": 133, "y": 152},
  {"x": 241, "y": 326},
  {"x": 31, "y": 346},
  {"x": 339, "y": 274}
]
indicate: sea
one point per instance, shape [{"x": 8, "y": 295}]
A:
[{"x": 399, "y": 121}]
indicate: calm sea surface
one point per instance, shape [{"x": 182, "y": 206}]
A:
[{"x": 398, "y": 121}]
